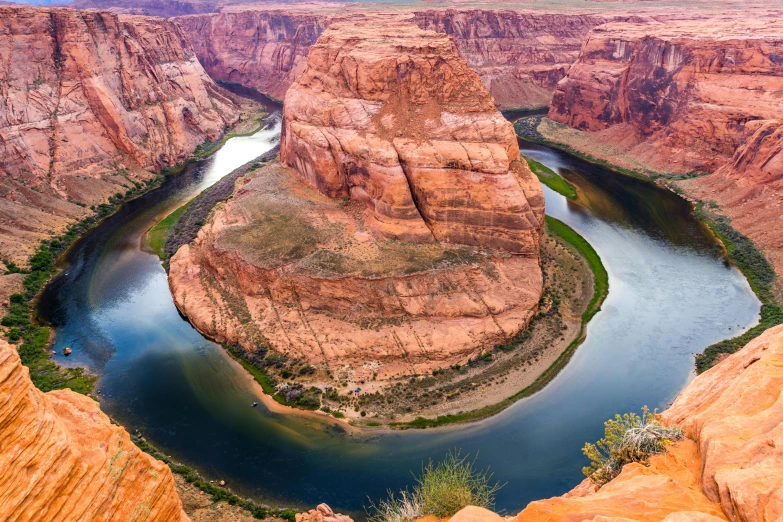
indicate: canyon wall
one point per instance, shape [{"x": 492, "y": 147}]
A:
[
  {"x": 355, "y": 257},
  {"x": 520, "y": 56},
  {"x": 255, "y": 47},
  {"x": 702, "y": 96},
  {"x": 92, "y": 102},
  {"x": 63, "y": 460}
]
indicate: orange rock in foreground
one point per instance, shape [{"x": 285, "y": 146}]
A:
[
  {"x": 63, "y": 460},
  {"x": 730, "y": 468},
  {"x": 390, "y": 115}
]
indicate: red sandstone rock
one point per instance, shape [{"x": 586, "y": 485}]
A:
[
  {"x": 322, "y": 513},
  {"x": 90, "y": 101},
  {"x": 63, "y": 460},
  {"x": 390, "y": 115},
  {"x": 687, "y": 88}
]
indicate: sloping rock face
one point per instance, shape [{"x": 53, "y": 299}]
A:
[
  {"x": 258, "y": 48},
  {"x": 390, "y": 115},
  {"x": 520, "y": 56},
  {"x": 687, "y": 89},
  {"x": 63, "y": 460},
  {"x": 91, "y": 101},
  {"x": 732, "y": 468}
]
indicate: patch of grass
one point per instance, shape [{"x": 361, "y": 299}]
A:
[
  {"x": 441, "y": 490},
  {"x": 551, "y": 179},
  {"x": 157, "y": 236},
  {"x": 600, "y": 291},
  {"x": 218, "y": 493},
  {"x": 627, "y": 438}
]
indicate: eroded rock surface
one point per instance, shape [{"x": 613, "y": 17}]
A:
[
  {"x": 702, "y": 96},
  {"x": 63, "y": 460},
  {"x": 390, "y": 115},
  {"x": 91, "y": 102}
]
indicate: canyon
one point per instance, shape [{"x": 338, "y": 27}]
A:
[
  {"x": 519, "y": 56},
  {"x": 357, "y": 257},
  {"x": 699, "y": 98},
  {"x": 93, "y": 103}
]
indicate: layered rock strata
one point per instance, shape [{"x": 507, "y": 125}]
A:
[
  {"x": 519, "y": 56},
  {"x": 63, "y": 460},
  {"x": 282, "y": 266},
  {"x": 91, "y": 102},
  {"x": 265, "y": 49},
  {"x": 390, "y": 115},
  {"x": 691, "y": 97}
]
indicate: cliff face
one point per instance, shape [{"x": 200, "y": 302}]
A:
[
  {"x": 391, "y": 116},
  {"x": 520, "y": 56},
  {"x": 687, "y": 89},
  {"x": 91, "y": 100},
  {"x": 63, "y": 460},
  {"x": 406, "y": 158},
  {"x": 704, "y": 96},
  {"x": 262, "y": 49}
]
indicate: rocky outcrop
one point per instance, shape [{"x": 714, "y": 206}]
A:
[
  {"x": 255, "y": 47},
  {"x": 389, "y": 115},
  {"x": 63, "y": 460},
  {"x": 686, "y": 89},
  {"x": 91, "y": 102},
  {"x": 363, "y": 266},
  {"x": 520, "y": 56},
  {"x": 322, "y": 513},
  {"x": 731, "y": 468}
]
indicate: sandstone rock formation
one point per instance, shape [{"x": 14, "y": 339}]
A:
[
  {"x": 63, "y": 460},
  {"x": 322, "y": 513},
  {"x": 732, "y": 468},
  {"x": 265, "y": 49},
  {"x": 691, "y": 96},
  {"x": 91, "y": 101},
  {"x": 520, "y": 56},
  {"x": 406, "y": 159},
  {"x": 686, "y": 89},
  {"x": 389, "y": 115}
]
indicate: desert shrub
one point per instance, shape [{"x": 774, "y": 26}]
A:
[
  {"x": 441, "y": 490},
  {"x": 627, "y": 438}
]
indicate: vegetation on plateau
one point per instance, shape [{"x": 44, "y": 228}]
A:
[
  {"x": 441, "y": 490},
  {"x": 551, "y": 179},
  {"x": 627, "y": 438}
]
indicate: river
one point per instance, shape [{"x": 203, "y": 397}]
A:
[{"x": 672, "y": 293}]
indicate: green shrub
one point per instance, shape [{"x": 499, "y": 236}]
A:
[
  {"x": 441, "y": 491},
  {"x": 627, "y": 438}
]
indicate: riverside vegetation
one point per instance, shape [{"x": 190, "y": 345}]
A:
[{"x": 740, "y": 249}]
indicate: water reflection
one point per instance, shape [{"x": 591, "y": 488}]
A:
[{"x": 671, "y": 295}]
